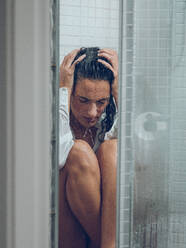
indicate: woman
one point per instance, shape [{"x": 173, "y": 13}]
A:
[{"x": 88, "y": 148}]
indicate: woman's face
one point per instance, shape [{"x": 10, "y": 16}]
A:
[{"x": 89, "y": 100}]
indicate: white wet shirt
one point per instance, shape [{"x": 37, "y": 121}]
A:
[{"x": 66, "y": 137}]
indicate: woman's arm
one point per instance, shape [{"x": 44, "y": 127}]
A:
[
  {"x": 65, "y": 135},
  {"x": 66, "y": 84},
  {"x": 112, "y": 57},
  {"x": 67, "y": 72}
]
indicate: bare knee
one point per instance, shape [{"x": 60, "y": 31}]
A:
[
  {"x": 108, "y": 145},
  {"x": 82, "y": 160},
  {"x": 107, "y": 153}
]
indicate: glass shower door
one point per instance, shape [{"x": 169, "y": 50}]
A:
[{"x": 153, "y": 213}]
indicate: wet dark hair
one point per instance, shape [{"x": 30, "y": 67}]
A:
[{"x": 91, "y": 68}]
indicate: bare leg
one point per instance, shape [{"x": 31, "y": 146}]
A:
[
  {"x": 107, "y": 157},
  {"x": 71, "y": 233},
  {"x": 81, "y": 194}
]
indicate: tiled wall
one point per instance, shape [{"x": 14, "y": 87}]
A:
[
  {"x": 88, "y": 23},
  {"x": 126, "y": 153}
]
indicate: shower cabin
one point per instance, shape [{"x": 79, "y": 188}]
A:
[{"x": 150, "y": 38}]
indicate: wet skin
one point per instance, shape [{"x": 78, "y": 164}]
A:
[{"x": 89, "y": 101}]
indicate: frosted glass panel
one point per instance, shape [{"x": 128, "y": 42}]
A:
[
  {"x": 153, "y": 169},
  {"x": 151, "y": 123}
]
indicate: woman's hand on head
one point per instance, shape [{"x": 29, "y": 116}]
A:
[
  {"x": 67, "y": 69},
  {"x": 112, "y": 57}
]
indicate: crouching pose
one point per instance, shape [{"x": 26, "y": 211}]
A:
[{"x": 88, "y": 148}]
